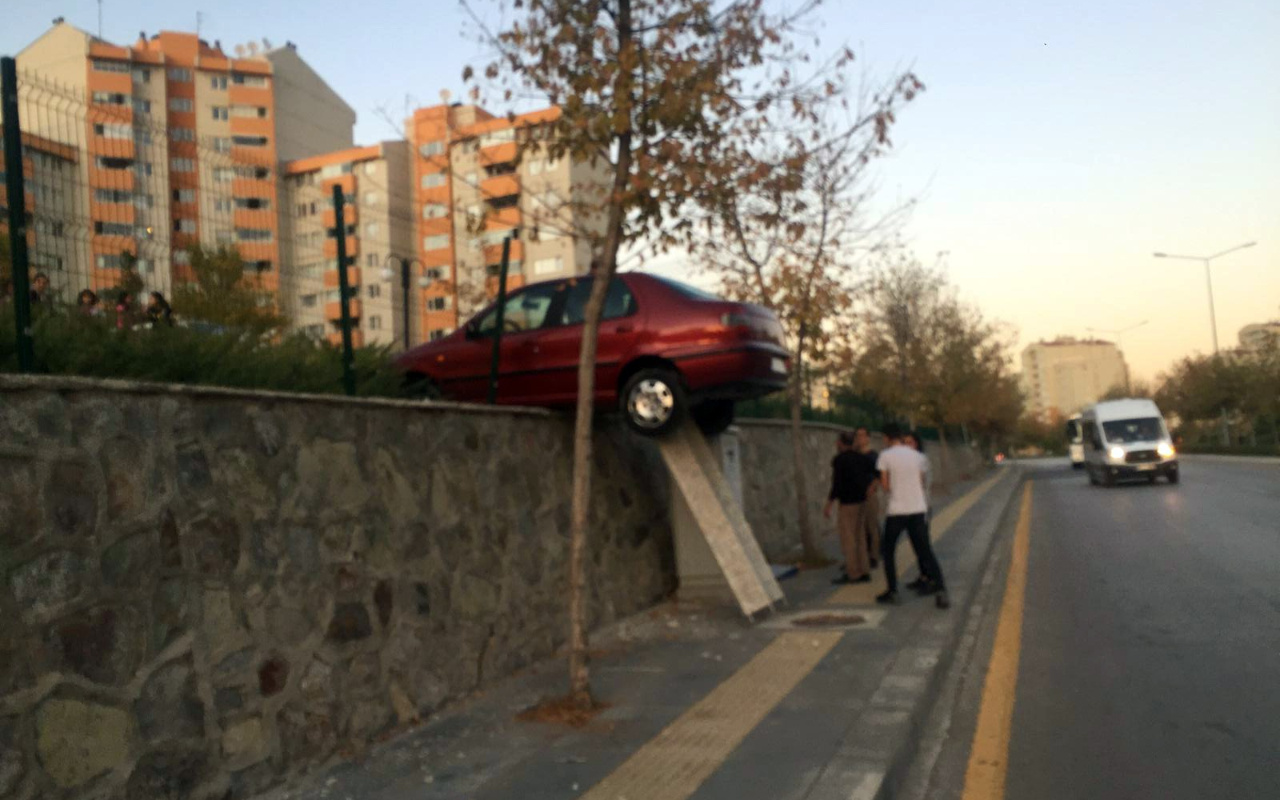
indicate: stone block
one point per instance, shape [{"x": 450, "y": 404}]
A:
[
  {"x": 130, "y": 562},
  {"x": 273, "y": 676},
  {"x": 19, "y": 505},
  {"x": 168, "y": 613},
  {"x": 12, "y": 760},
  {"x": 79, "y": 740},
  {"x": 307, "y": 735},
  {"x": 47, "y": 584},
  {"x": 384, "y": 601},
  {"x": 170, "y": 542},
  {"x": 244, "y": 742},
  {"x": 193, "y": 470},
  {"x": 170, "y": 772},
  {"x": 168, "y": 706},
  {"x": 215, "y": 544},
  {"x": 223, "y": 627},
  {"x": 103, "y": 644},
  {"x": 317, "y": 681},
  {"x": 124, "y": 471},
  {"x": 71, "y": 500},
  {"x": 350, "y": 622}
]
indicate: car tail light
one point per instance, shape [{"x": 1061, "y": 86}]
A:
[{"x": 753, "y": 327}]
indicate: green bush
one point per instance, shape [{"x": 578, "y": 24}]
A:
[{"x": 69, "y": 344}]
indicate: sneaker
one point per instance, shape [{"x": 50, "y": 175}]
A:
[
  {"x": 942, "y": 601},
  {"x": 889, "y": 598},
  {"x": 926, "y": 589},
  {"x": 917, "y": 584}
]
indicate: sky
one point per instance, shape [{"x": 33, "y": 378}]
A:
[{"x": 1057, "y": 145}]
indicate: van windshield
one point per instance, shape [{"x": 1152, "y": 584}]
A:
[{"x": 1121, "y": 431}]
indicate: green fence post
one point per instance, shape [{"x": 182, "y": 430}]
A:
[
  {"x": 344, "y": 299},
  {"x": 498, "y": 321},
  {"x": 16, "y": 190}
]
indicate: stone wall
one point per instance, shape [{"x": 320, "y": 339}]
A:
[
  {"x": 769, "y": 493},
  {"x": 202, "y": 591}
]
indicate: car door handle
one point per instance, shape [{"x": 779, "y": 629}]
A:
[{"x": 624, "y": 329}]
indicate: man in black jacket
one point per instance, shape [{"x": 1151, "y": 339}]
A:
[{"x": 851, "y": 475}]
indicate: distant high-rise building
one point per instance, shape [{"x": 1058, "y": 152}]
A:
[
  {"x": 475, "y": 186},
  {"x": 178, "y": 145},
  {"x": 1259, "y": 334},
  {"x": 380, "y": 236},
  {"x": 1066, "y": 374}
]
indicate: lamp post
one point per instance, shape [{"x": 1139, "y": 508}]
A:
[
  {"x": 1213, "y": 319},
  {"x": 1128, "y": 386},
  {"x": 406, "y": 265}
]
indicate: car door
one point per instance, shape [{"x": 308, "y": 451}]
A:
[
  {"x": 560, "y": 345},
  {"x": 524, "y": 314}
]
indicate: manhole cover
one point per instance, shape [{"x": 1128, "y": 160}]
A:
[{"x": 828, "y": 620}]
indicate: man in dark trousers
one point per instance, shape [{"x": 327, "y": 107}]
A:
[
  {"x": 871, "y": 508},
  {"x": 902, "y": 474},
  {"x": 852, "y": 474}
]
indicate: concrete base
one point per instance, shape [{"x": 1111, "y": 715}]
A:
[{"x": 700, "y": 576}]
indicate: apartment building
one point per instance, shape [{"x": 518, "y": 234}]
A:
[
  {"x": 380, "y": 233},
  {"x": 1259, "y": 335},
  {"x": 479, "y": 179},
  {"x": 179, "y": 145},
  {"x": 50, "y": 201},
  {"x": 1067, "y": 374}
]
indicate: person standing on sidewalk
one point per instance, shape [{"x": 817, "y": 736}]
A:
[
  {"x": 871, "y": 507},
  {"x": 922, "y": 585},
  {"x": 851, "y": 475},
  {"x": 902, "y": 474}
]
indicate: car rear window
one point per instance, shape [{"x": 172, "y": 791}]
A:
[{"x": 691, "y": 292}]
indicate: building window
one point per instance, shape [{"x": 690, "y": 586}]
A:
[
  {"x": 102, "y": 65},
  {"x": 370, "y": 198},
  {"x": 184, "y": 195},
  {"x": 548, "y": 266},
  {"x": 184, "y": 226},
  {"x": 249, "y": 141},
  {"x": 334, "y": 170},
  {"x": 248, "y": 80},
  {"x": 141, "y": 75},
  {"x": 438, "y": 304},
  {"x": 435, "y": 273},
  {"x": 434, "y": 210},
  {"x": 182, "y": 134},
  {"x": 141, "y": 106},
  {"x": 375, "y": 290},
  {"x": 182, "y": 165},
  {"x": 536, "y": 166},
  {"x": 375, "y": 322},
  {"x": 221, "y": 144},
  {"x": 371, "y": 229},
  {"x": 106, "y": 162},
  {"x": 110, "y": 98},
  {"x": 112, "y": 195},
  {"x": 259, "y": 112},
  {"x": 218, "y": 81},
  {"x": 437, "y": 242},
  {"x": 180, "y": 74},
  {"x": 107, "y": 262},
  {"x": 431, "y": 149},
  {"x": 224, "y": 237},
  {"x": 180, "y": 104},
  {"x": 113, "y": 130},
  {"x": 181, "y": 257},
  {"x": 253, "y": 234},
  {"x": 309, "y": 300},
  {"x": 438, "y": 333},
  {"x": 113, "y": 228},
  {"x": 371, "y": 260},
  {"x": 219, "y": 112},
  {"x": 253, "y": 173},
  {"x": 142, "y": 136},
  {"x": 433, "y": 179},
  {"x": 222, "y": 205},
  {"x": 253, "y": 203}
]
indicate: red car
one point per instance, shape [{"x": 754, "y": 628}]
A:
[{"x": 666, "y": 350}]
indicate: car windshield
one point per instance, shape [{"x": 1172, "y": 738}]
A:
[
  {"x": 691, "y": 292},
  {"x": 1122, "y": 431}
]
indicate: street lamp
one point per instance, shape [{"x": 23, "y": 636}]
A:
[
  {"x": 1119, "y": 333},
  {"x": 1213, "y": 319},
  {"x": 405, "y": 266},
  {"x": 1206, "y": 260}
]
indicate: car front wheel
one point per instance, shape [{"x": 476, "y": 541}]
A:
[{"x": 654, "y": 402}]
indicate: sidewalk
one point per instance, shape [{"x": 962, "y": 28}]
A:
[{"x": 703, "y": 705}]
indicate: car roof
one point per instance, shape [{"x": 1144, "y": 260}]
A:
[{"x": 1129, "y": 408}]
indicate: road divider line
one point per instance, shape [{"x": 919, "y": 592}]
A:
[
  {"x": 865, "y": 593},
  {"x": 989, "y": 756},
  {"x": 673, "y": 764}
]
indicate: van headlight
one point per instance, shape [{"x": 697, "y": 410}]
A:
[
  {"x": 1116, "y": 452},
  {"x": 1166, "y": 450}
]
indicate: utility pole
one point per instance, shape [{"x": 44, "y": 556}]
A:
[
  {"x": 16, "y": 190},
  {"x": 406, "y": 268}
]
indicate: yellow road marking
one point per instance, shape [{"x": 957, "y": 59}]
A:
[
  {"x": 989, "y": 759},
  {"x": 673, "y": 764},
  {"x": 865, "y": 593}
]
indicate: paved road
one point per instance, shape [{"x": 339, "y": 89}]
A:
[{"x": 1150, "y": 650}]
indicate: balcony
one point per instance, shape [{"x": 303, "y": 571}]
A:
[
  {"x": 498, "y": 154},
  {"x": 331, "y": 247},
  {"x": 329, "y": 217},
  {"x": 333, "y": 310},
  {"x": 493, "y": 254},
  {"x": 331, "y": 277},
  {"x": 501, "y": 219},
  {"x": 500, "y": 186}
]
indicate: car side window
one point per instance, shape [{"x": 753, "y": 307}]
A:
[
  {"x": 524, "y": 311},
  {"x": 619, "y": 302},
  {"x": 1091, "y": 436}
]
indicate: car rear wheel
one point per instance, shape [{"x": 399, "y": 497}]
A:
[
  {"x": 713, "y": 416},
  {"x": 654, "y": 402}
]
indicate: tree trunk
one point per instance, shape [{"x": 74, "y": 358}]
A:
[
  {"x": 579, "y": 673},
  {"x": 811, "y": 553},
  {"x": 944, "y": 460}
]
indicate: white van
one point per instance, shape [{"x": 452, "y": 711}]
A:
[
  {"x": 1075, "y": 442},
  {"x": 1127, "y": 439}
]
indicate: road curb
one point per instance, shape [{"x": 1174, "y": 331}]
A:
[{"x": 877, "y": 753}]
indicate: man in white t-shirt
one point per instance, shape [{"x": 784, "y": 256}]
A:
[{"x": 903, "y": 472}]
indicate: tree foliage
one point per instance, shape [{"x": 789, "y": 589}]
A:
[
  {"x": 223, "y": 297},
  {"x": 1242, "y": 385}
]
